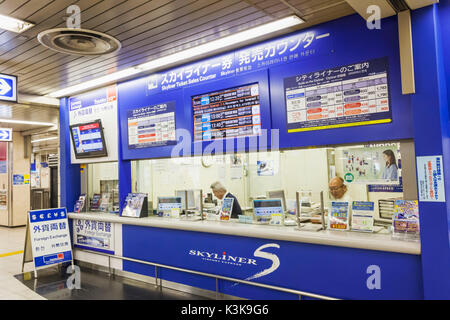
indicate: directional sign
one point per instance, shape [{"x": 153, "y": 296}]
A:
[
  {"x": 8, "y": 87},
  {"x": 5, "y": 134}
]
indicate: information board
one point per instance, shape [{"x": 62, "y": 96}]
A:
[
  {"x": 228, "y": 113},
  {"x": 88, "y": 140},
  {"x": 350, "y": 95},
  {"x": 152, "y": 126},
  {"x": 50, "y": 236},
  {"x": 89, "y": 107}
]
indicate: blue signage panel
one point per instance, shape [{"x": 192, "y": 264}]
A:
[
  {"x": 5, "y": 134},
  {"x": 296, "y": 47},
  {"x": 50, "y": 236},
  {"x": 8, "y": 87},
  {"x": 328, "y": 270},
  {"x": 390, "y": 121}
]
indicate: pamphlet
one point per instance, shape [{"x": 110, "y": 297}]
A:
[
  {"x": 362, "y": 216},
  {"x": 406, "y": 220},
  {"x": 174, "y": 212},
  {"x": 95, "y": 201},
  {"x": 339, "y": 216},
  {"x": 104, "y": 202},
  {"x": 79, "y": 204},
  {"x": 276, "y": 219},
  {"x": 133, "y": 204},
  {"x": 227, "y": 207}
]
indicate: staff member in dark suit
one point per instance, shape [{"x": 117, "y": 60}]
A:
[{"x": 221, "y": 192}]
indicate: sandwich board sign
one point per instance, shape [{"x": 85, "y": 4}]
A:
[
  {"x": 47, "y": 239},
  {"x": 8, "y": 87}
]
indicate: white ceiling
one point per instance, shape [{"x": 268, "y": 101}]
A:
[{"x": 147, "y": 29}]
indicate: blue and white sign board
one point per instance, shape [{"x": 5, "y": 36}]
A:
[
  {"x": 94, "y": 235},
  {"x": 5, "y": 134},
  {"x": 296, "y": 47},
  {"x": 8, "y": 87},
  {"x": 50, "y": 237}
]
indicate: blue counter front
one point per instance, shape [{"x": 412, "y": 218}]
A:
[{"x": 344, "y": 265}]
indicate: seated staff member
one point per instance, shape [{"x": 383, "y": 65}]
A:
[
  {"x": 338, "y": 190},
  {"x": 220, "y": 192}
]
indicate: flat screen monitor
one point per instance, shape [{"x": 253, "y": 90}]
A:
[
  {"x": 229, "y": 113},
  {"x": 169, "y": 203},
  {"x": 88, "y": 140},
  {"x": 190, "y": 198},
  {"x": 267, "y": 207},
  {"x": 278, "y": 194}
]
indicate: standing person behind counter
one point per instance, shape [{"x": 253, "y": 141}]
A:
[
  {"x": 390, "y": 171},
  {"x": 338, "y": 190},
  {"x": 220, "y": 192}
]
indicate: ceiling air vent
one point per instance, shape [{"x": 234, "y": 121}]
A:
[
  {"x": 399, "y": 5},
  {"x": 78, "y": 41}
]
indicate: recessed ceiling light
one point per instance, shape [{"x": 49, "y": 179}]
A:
[
  {"x": 182, "y": 56},
  {"x": 27, "y": 122},
  {"x": 44, "y": 139},
  {"x": 13, "y": 24}
]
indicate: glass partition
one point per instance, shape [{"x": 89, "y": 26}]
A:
[
  {"x": 316, "y": 177},
  {"x": 103, "y": 187}
]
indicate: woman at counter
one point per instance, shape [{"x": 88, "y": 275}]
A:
[{"x": 390, "y": 171}]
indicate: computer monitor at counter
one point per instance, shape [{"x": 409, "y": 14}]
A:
[{"x": 278, "y": 194}]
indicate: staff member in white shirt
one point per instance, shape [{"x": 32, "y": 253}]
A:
[
  {"x": 221, "y": 193},
  {"x": 338, "y": 190}
]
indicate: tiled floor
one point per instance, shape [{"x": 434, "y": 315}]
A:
[
  {"x": 11, "y": 242},
  {"x": 51, "y": 283}
]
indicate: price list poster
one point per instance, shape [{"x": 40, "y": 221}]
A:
[{"x": 350, "y": 95}]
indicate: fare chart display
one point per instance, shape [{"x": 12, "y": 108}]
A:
[
  {"x": 228, "y": 113},
  {"x": 152, "y": 126},
  {"x": 351, "y": 95}
]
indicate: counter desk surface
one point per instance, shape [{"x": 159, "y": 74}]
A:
[{"x": 349, "y": 239}]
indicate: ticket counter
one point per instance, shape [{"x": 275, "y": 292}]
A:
[
  {"x": 309, "y": 130},
  {"x": 245, "y": 248}
]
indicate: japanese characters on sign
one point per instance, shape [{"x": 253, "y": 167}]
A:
[
  {"x": 152, "y": 126},
  {"x": 100, "y": 104},
  {"x": 50, "y": 237},
  {"x": 355, "y": 94},
  {"x": 94, "y": 235},
  {"x": 430, "y": 179},
  {"x": 284, "y": 50}
]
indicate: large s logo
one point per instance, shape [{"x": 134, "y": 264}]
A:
[{"x": 269, "y": 256}]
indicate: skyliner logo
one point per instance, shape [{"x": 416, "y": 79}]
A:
[{"x": 242, "y": 261}]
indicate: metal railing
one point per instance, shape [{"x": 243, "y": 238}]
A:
[{"x": 210, "y": 275}]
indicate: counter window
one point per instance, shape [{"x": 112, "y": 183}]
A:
[
  {"x": 100, "y": 188},
  {"x": 357, "y": 187}
]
